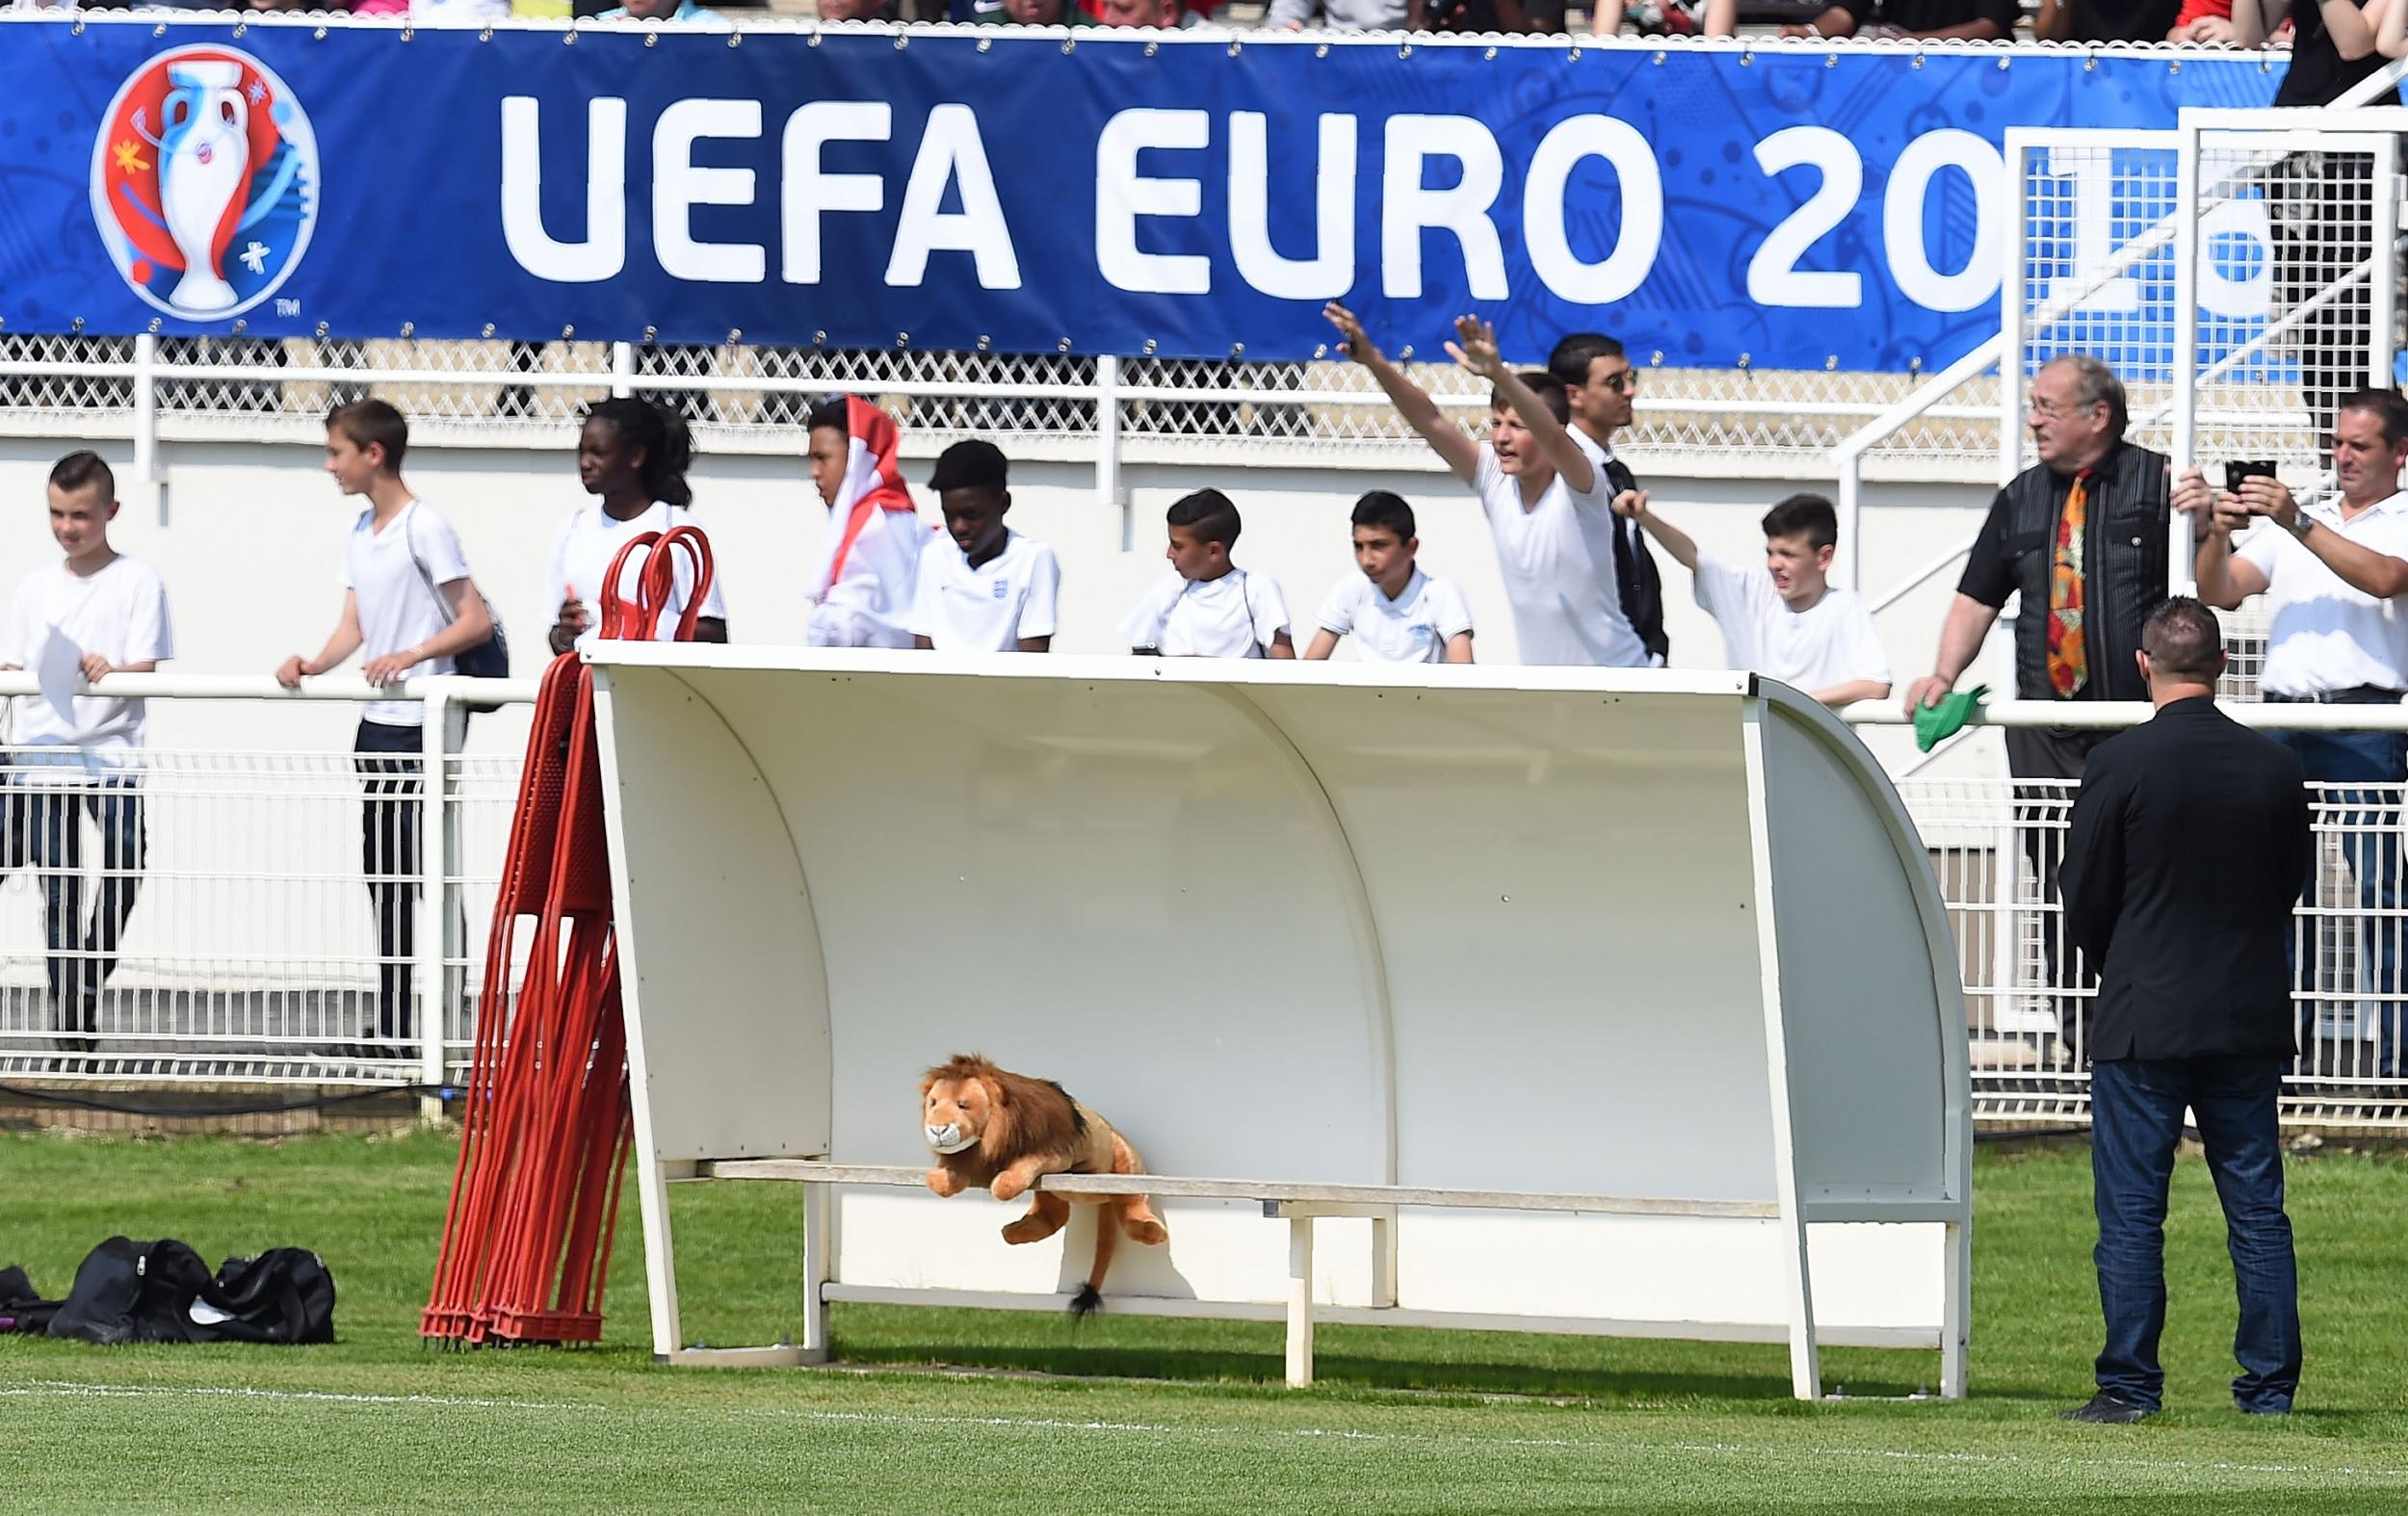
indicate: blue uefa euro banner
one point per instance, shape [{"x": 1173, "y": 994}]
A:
[{"x": 1788, "y": 208}]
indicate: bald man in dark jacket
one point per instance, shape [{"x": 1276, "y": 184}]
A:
[{"x": 2183, "y": 858}]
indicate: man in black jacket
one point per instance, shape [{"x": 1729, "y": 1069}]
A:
[
  {"x": 2178, "y": 879},
  {"x": 2081, "y": 537}
]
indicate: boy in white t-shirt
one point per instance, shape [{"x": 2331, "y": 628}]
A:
[
  {"x": 1787, "y": 620},
  {"x": 411, "y": 606},
  {"x": 98, "y": 613},
  {"x": 1208, "y": 607},
  {"x": 1394, "y": 612},
  {"x": 1549, "y": 503},
  {"x": 993, "y": 591}
]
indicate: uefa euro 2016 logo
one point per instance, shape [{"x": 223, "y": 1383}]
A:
[{"x": 204, "y": 182}]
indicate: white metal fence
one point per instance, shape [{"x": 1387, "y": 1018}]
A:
[{"x": 250, "y": 954}]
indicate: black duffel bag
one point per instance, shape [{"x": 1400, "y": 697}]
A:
[{"x": 128, "y": 1292}]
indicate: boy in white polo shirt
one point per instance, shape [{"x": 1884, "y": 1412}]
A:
[
  {"x": 994, "y": 590},
  {"x": 410, "y": 605},
  {"x": 1394, "y": 612},
  {"x": 104, "y": 614},
  {"x": 1208, "y": 607},
  {"x": 1786, "y": 619},
  {"x": 1549, "y": 503}
]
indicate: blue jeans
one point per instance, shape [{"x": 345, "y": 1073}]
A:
[
  {"x": 81, "y": 958},
  {"x": 2135, "y": 1121},
  {"x": 2371, "y": 819}
]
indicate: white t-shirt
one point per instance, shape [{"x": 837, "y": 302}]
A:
[
  {"x": 1236, "y": 615},
  {"x": 397, "y": 610},
  {"x": 120, "y": 612},
  {"x": 1413, "y": 628},
  {"x": 1830, "y": 643},
  {"x": 870, "y": 605},
  {"x": 580, "y": 555},
  {"x": 1556, "y": 561},
  {"x": 2322, "y": 633},
  {"x": 990, "y": 607}
]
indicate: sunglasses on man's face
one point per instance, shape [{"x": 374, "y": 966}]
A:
[{"x": 1621, "y": 383}]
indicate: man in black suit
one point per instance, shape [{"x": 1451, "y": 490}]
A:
[{"x": 2181, "y": 869}]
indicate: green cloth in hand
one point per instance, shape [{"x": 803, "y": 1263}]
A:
[{"x": 1936, "y": 722}]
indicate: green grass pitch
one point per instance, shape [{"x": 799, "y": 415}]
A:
[{"x": 1181, "y": 1415}]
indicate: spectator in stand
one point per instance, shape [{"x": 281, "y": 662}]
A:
[
  {"x": 2203, "y": 21},
  {"x": 2322, "y": 206},
  {"x": 2337, "y": 635},
  {"x": 106, "y": 613},
  {"x": 1543, "y": 17},
  {"x": 1966, "y": 21},
  {"x": 2081, "y": 537},
  {"x": 2106, "y": 20},
  {"x": 1599, "y": 383},
  {"x": 856, "y": 10},
  {"x": 678, "y": 10},
  {"x": 1012, "y": 12},
  {"x": 1347, "y": 15},
  {"x": 1163, "y": 14},
  {"x": 410, "y": 605},
  {"x": 1666, "y": 17}
]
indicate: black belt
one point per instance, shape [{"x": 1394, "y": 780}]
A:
[{"x": 2358, "y": 695}]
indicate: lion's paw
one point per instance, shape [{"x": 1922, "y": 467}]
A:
[
  {"x": 944, "y": 1184},
  {"x": 1008, "y": 1187},
  {"x": 1152, "y": 1233}
]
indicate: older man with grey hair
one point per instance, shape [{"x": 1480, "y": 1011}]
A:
[{"x": 2081, "y": 536}]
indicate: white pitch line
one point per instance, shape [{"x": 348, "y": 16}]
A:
[{"x": 60, "y": 1389}]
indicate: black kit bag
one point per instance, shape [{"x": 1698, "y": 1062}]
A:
[{"x": 128, "y": 1292}]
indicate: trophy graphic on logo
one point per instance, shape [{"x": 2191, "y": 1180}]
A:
[{"x": 204, "y": 159}]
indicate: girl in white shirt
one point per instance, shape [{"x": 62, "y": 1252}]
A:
[{"x": 632, "y": 455}]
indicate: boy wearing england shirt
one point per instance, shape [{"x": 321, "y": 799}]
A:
[
  {"x": 1549, "y": 504},
  {"x": 1394, "y": 612},
  {"x": 410, "y": 605},
  {"x": 1208, "y": 607},
  {"x": 105, "y": 614},
  {"x": 1786, "y": 619},
  {"x": 994, "y": 590}
]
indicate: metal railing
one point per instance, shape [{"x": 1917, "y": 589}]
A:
[{"x": 250, "y": 954}]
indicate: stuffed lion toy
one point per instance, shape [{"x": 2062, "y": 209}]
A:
[{"x": 1000, "y": 1131}]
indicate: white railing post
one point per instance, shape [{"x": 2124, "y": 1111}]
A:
[
  {"x": 2011, "y": 332},
  {"x": 434, "y": 872},
  {"x": 1108, "y": 440},
  {"x": 2383, "y": 240},
  {"x": 2181, "y": 562},
  {"x": 623, "y": 370},
  {"x": 146, "y": 425},
  {"x": 1851, "y": 562}
]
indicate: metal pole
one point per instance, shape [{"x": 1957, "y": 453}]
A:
[
  {"x": 2182, "y": 563},
  {"x": 1852, "y": 560},
  {"x": 433, "y": 858},
  {"x": 2383, "y": 240},
  {"x": 2011, "y": 334},
  {"x": 1108, "y": 440},
  {"x": 623, "y": 370},
  {"x": 146, "y": 423}
]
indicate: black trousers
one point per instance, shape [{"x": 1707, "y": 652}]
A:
[
  {"x": 2040, "y": 810},
  {"x": 391, "y": 772}
]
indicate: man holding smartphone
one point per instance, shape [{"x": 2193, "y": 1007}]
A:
[{"x": 2336, "y": 635}]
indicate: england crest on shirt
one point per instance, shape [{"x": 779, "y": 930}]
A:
[{"x": 1002, "y": 588}]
